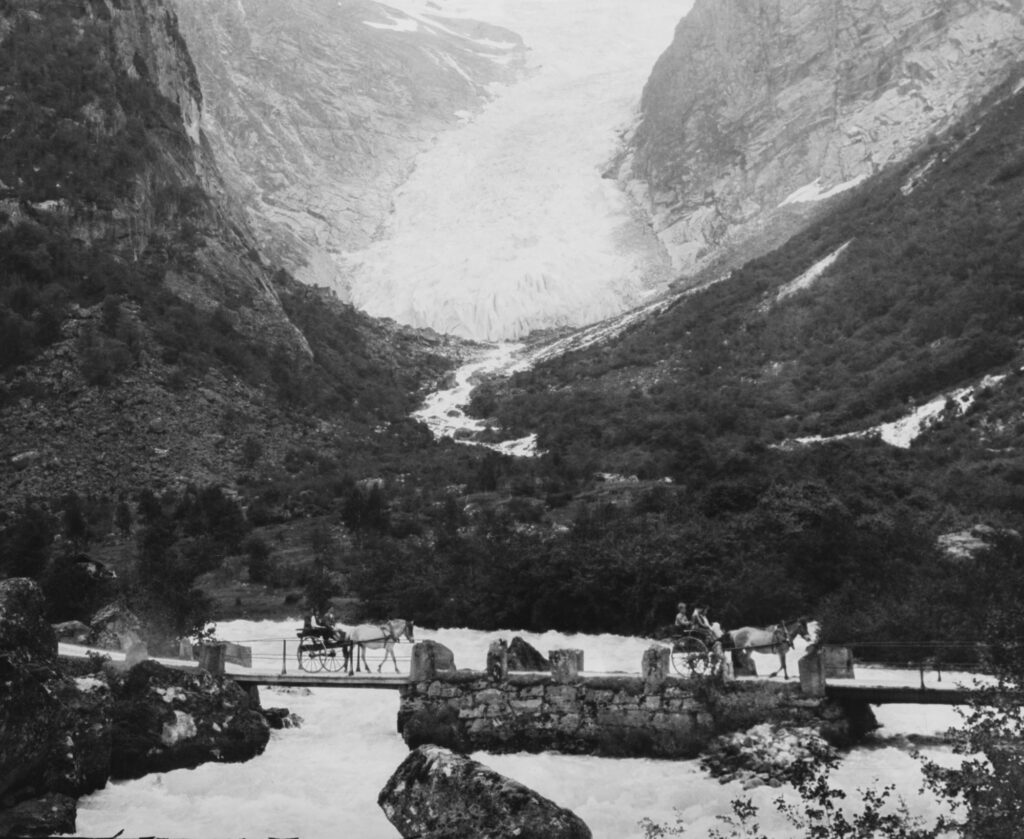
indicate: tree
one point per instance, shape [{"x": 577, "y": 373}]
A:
[
  {"x": 25, "y": 542},
  {"x": 321, "y": 584},
  {"x": 259, "y": 559},
  {"x": 123, "y": 518},
  {"x": 990, "y": 781},
  {"x": 76, "y": 529}
]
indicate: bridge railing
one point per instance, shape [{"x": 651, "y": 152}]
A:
[{"x": 281, "y": 654}]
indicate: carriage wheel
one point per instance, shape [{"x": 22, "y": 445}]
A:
[
  {"x": 690, "y": 657},
  {"x": 311, "y": 660},
  {"x": 334, "y": 660}
]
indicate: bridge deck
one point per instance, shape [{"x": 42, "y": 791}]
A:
[
  {"x": 898, "y": 695},
  {"x": 320, "y": 680}
]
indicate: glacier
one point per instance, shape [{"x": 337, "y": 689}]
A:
[{"x": 507, "y": 224}]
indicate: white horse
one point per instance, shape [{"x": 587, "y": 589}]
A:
[
  {"x": 770, "y": 639},
  {"x": 375, "y": 636}
]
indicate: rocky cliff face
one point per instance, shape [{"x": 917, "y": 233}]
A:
[
  {"x": 315, "y": 111},
  {"x": 759, "y": 110},
  {"x": 133, "y": 298}
]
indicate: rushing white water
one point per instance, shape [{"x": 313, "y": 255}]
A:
[
  {"x": 507, "y": 224},
  {"x": 443, "y": 412},
  {"x": 321, "y": 781}
]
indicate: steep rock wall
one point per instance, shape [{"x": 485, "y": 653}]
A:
[
  {"x": 762, "y": 108},
  {"x": 315, "y": 111}
]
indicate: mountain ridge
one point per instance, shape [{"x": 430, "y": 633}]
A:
[
  {"x": 146, "y": 339},
  {"x": 316, "y": 112},
  {"x": 758, "y": 110}
]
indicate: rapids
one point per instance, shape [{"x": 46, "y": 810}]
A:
[{"x": 321, "y": 781}]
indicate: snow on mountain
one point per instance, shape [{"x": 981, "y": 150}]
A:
[
  {"x": 902, "y": 432},
  {"x": 507, "y": 225},
  {"x": 315, "y": 111},
  {"x": 807, "y": 278}
]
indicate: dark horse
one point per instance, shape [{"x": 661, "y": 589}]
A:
[{"x": 771, "y": 639}]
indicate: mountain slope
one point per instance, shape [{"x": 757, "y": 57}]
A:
[
  {"x": 759, "y": 111},
  {"x": 143, "y": 338},
  {"x": 316, "y": 111},
  {"x": 906, "y": 288}
]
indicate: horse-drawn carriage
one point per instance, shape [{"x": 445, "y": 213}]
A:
[
  {"x": 323, "y": 648},
  {"x": 326, "y": 647},
  {"x": 695, "y": 651},
  {"x": 699, "y": 652}
]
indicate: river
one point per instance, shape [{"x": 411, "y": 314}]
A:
[
  {"x": 321, "y": 781},
  {"x": 506, "y": 225}
]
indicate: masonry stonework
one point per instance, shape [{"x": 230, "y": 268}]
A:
[{"x": 651, "y": 714}]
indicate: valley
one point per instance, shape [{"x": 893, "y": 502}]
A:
[{"x": 532, "y": 315}]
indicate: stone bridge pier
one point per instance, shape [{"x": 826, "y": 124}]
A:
[{"x": 653, "y": 713}]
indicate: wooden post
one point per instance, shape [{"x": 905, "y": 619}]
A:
[{"x": 284, "y": 656}]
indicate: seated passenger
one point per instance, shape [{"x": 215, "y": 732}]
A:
[
  {"x": 682, "y": 621},
  {"x": 701, "y": 621}
]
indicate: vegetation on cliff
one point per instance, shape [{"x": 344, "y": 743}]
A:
[{"x": 152, "y": 370}]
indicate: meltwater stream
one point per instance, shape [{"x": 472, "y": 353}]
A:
[{"x": 321, "y": 781}]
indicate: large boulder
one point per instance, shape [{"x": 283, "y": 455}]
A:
[
  {"x": 167, "y": 719},
  {"x": 74, "y": 632},
  {"x": 54, "y": 730},
  {"x": 115, "y": 627},
  {"x": 438, "y": 794},
  {"x": 43, "y": 816},
  {"x": 24, "y": 632},
  {"x": 523, "y": 656},
  {"x": 436, "y": 726}
]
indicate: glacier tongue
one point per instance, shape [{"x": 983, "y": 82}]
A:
[{"x": 506, "y": 225}]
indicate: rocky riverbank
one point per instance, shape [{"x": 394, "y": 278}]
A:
[
  {"x": 765, "y": 754},
  {"x": 65, "y": 730}
]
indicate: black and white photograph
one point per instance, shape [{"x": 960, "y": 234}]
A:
[{"x": 512, "y": 419}]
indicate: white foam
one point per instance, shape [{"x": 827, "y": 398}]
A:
[{"x": 321, "y": 781}]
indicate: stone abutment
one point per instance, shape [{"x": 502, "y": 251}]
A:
[{"x": 567, "y": 709}]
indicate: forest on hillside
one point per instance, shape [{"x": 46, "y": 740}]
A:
[
  {"x": 695, "y": 410},
  {"x": 925, "y": 297},
  {"x": 94, "y": 148}
]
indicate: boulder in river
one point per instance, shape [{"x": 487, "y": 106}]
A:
[
  {"x": 523, "y": 656},
  {"x": 172, "y": 719},
  {"x": 436, "y": 794}
]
